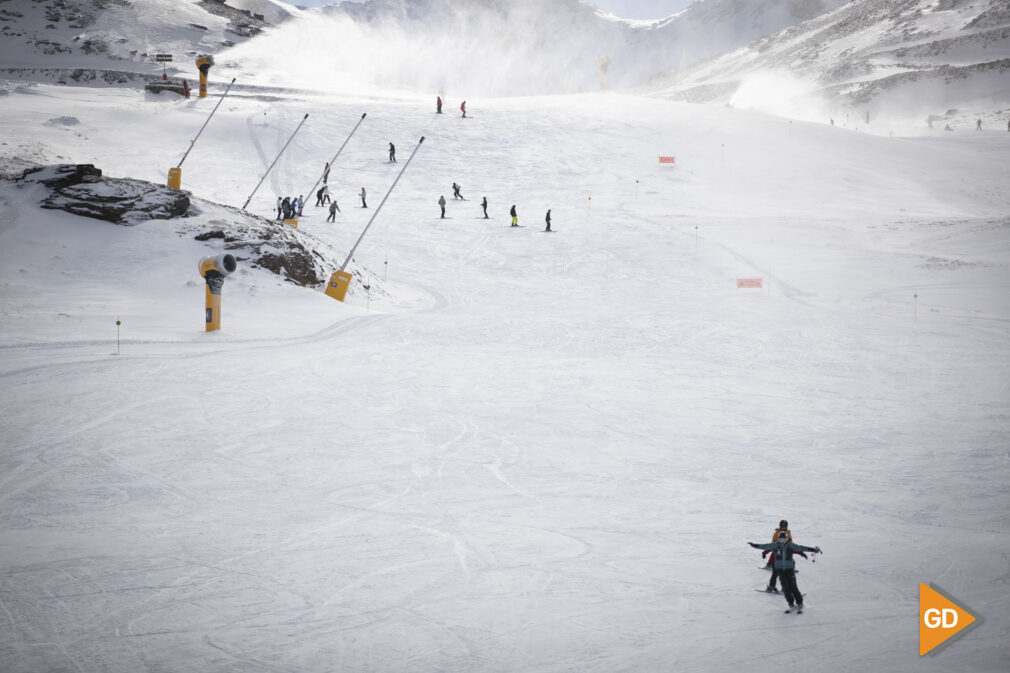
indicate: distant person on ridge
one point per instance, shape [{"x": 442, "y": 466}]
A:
[
  {"x": 438, "y": 105},
  {"x": 548, "y": 220},
  {"x": 515, "y": 218},
  {"x": 483, "y": 204},
  {"x": 462, "y": 106},
  {"x": 363, "y": 204},
  {"x": 392, "y": 153},
  {"x": 441, "y": 204},
  {"x": 978, "y": 124},
  {"x": 455, "y": 192}
]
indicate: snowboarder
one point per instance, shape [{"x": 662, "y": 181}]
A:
[
  {"x": 462, "y": 106},
  {"x": 438, "y": 104},
  {"x": 363, "y": 203},
  {"x": 783, "y": 549},
  {"x": 455, "y": 192},
  {"x": 548, "y": 220},
  {"x": 515, "y": 218},
  {"x": 441, "y": 204},
  {"x": 392, "y": 153},
  {"x": 483, "y": 204},
  {"x": 280, "y": 203},
  {"x": 326, "y": 172},
  {"x": 334, "y": 208},
  {"x": 978, "y": 124}
]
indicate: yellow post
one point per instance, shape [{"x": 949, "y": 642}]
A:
[
  {"x": 292, "y": 223},
  {"x": 204, "y": 63},
  {"x": 214, "y": 270},
  {"x": 339, "y": 282},
  {"x": 175, "y": 178}
]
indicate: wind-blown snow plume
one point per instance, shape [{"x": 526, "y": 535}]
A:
[{"x": 499, "y": 47}]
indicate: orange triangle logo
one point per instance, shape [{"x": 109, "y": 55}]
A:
[{"x": 940, "y": 619}]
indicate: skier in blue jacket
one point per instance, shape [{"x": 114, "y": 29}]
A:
[{"x": 784, "y": 548}]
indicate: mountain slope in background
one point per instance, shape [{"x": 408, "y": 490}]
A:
[
  {"x": 481, "y": 47},
  {"x": 871, "y": 58},
  {"x": 46, "y": 39}
]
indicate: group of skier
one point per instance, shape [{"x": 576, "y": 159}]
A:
[
  {"x": 289, "y": 207},
  {"x": 783, "y": 567},
  {"x": 483, "y": 204},
  {"x": 438, "y": 106}
]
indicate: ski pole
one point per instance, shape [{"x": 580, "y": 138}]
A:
[
  {"x": 193, "y": 141},
  {"x": 334, "y": 159},
  {"x": 275, "y": 160},
  {"x": 374, "y": 215}
]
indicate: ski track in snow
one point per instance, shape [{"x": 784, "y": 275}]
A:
[{"x": 526, "y": 453}]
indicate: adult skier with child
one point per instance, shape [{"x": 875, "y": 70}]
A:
[{"x": 783, "y": 549}]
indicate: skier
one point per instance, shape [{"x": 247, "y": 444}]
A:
[
  {"x": 363, "y": 203},
  {"x": 783, "y": 525},
  {"x": 280, "y": 202},
  {"x": 392, "y": 153},
  {"x": 462, "y": 106},
  {"x": 326, "y": 172},
  {"x": 515, "y": 218},
  {"x": 784, "y": 548},
  {"x": 455, "y": 192},
  {"x": 441, "y": 204},
  {"x": 548, "y": 219},
  {"x": 483, "y": 204},
  {"x": 438, "y": 105},
  {"x": 333, "y": 212}
]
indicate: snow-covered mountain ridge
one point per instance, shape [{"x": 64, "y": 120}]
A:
[
  {"x": 871, "y": 58},
  {"x": 481, "y": 47}
]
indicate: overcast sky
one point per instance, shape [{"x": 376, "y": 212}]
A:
[{"x": 627, "y": 9}]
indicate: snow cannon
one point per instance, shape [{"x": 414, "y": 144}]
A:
[
  {"x": 203, "y": 64},
  {"x": 337, "y": 287},
  {"x": 214, "y": 270}
]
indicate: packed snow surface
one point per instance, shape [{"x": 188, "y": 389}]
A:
[{"x": 514, "y": 450}]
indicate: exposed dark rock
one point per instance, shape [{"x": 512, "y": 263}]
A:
[
  {"x": 120, "y": 200},
  {"x": 62, "y": 175},
  {"x": 179, "y": 86},
  {"x": 80, "y": 189},
  {"x": 275, "y": 247}
]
